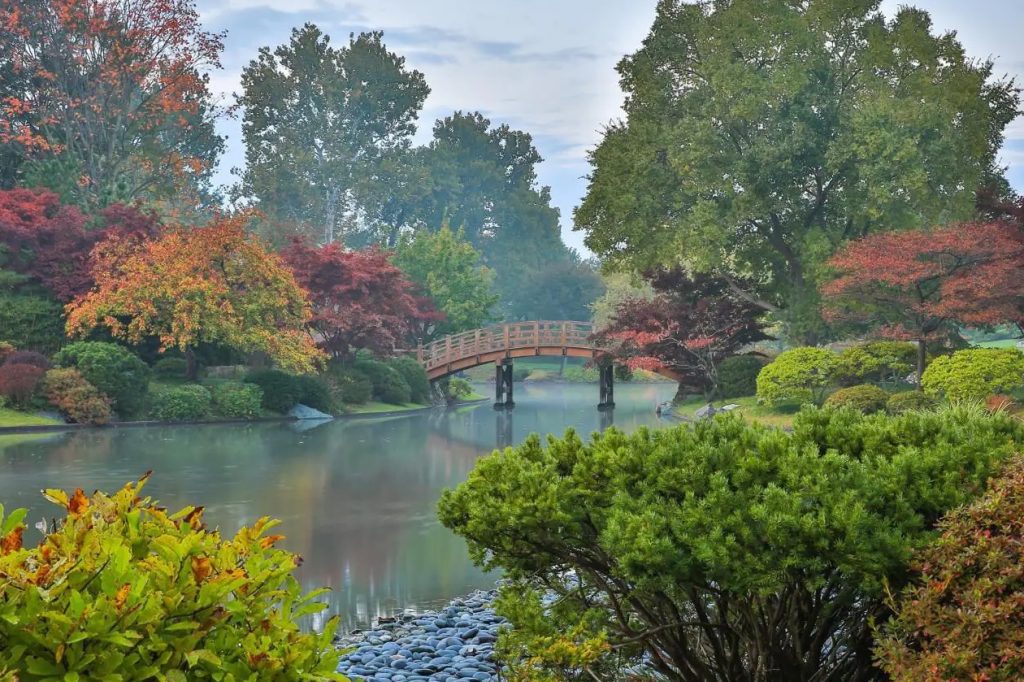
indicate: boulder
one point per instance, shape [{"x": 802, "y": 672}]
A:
[{"x": 305, "y": 412}]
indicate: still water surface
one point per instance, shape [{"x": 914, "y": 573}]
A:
[{"x": 357, "y": 497}]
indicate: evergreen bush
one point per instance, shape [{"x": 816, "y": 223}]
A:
[
  {"x": 170, "y": 369},
  {"x": 114, "y": 370},
  {"x": 974, "y": 373},
  {"x": 864, "y": 398},
  {"x": 280, "y": 390},
  {"x": 800, "y": 375},
  {"x": 876, "y": 361},
  {"x": 313, "y": 392},
  {"x": 388, "y": 385},
  {"x": 906, "y": 401},
  {"x": 190, "y": 402},
  {"x": 236, "y": 400},
  {"x": 351, "y": 386},
  {"x": 414, "y": 375},
  {"x": 737, "y": 376}
]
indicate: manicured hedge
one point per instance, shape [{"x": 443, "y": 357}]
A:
[
  {"x": 190, "y": 402},
  {"x": 865, "y": 398},
  {"x": 237, "y": 400}
]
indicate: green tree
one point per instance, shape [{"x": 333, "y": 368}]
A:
[
  {"x": 619, "y": 287},
  {"x": 760, "y": 136},
  {"x": 321, "y": 120},
  {"x": 561, "y": 290},
  {"x": 448, "y": 271}
]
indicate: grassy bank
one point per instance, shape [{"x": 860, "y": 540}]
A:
[
  {"x": 10, "y": 418},
  {"x": 748, "y": 409}
]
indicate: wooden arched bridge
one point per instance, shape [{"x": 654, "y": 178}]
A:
[{"x": 501, "y": 344}]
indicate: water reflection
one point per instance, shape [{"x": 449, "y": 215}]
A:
[{"x": 356, "y": 497}]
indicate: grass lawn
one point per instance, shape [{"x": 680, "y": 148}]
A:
[
  {"x": 748, "y": 409},
  {"x": 373, "y": 407},
  {"x": 15, "y": 418},
  {"x": 1002, "y": 343}
]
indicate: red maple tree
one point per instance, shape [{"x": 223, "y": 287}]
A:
[
  {"x": 918, "y": 285},
  {"x": 686, "y": 330},
  {"x": 360, "y": 298}
]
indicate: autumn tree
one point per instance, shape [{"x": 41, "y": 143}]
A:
[
  {"x": 690, "y": 325},
  {"x": 114, "y": 92},
  {"x": 760, "y": 136},
  {"x": 447, "y": 270},
  {"x": 918, "y": 285},
  {"x": 211, "y": 284},
  {"x": 319, "y": 120},
  {"x": 360, "y": 299}
]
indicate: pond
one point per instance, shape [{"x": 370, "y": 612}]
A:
[{"x": 356, "y": 497}]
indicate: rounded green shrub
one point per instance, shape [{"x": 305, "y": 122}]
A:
[
  {"x": 909, "y": 401},
  {"x": 414, "y": 375},
  {"x": 876, "y": 361},
  {"x": 388, "y": 385},
  {"x": 351, "y": 386},
  {"x": 280, "y": 391},
  {"x": 236, "y": 400},
  {"x": 864, "y": 398},
  {"x": 69, "y": 392},
  {"x": 737, "y": 376},
  {"x": 124, "y": 590},
  {"x": 313, "y": 392},
  {"x": 459, "y": 389},
  {"x": 974, "y": 373},
  {"x": 170, "y": 369},
  {"x": 800, "y": 375},
  {"x": 114, "y": 370},
  {"x": 190, "y": 402}
]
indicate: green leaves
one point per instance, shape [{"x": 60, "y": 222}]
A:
[{"x": 974, "y": 373}]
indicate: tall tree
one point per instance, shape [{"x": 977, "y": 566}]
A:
[
  {"x": 212, "y": 284},
  {"x": 760, "y": 136},
  {"x": 447, "y": 270},
  {"x": 317, "y": 120},
  {"x": 114, "y": 92},
  {"x": 361, "y": 300},
  {"x": 688, "y": 327},
  {"x": 918, "y": 285}
]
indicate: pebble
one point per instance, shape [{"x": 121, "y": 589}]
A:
[{"x": 455, "y": 644}]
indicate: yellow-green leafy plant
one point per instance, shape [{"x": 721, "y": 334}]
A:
[
  {"x": 800, "y": 375},
  {"x": 864, "y": 398},
  {"x": 123, "y": 590},
  {"x": 974, "y": 373}
]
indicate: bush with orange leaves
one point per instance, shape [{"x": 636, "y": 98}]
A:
[{"x": 123, "y": 590}]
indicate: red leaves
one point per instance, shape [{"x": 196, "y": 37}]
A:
[
  {"x": 78, "y": 504},
  {"x": 12, "y": 541}
]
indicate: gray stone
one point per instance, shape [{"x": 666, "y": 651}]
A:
[
  {"x": 706, "y": 412},
  {"x": 304, "y": 412}
]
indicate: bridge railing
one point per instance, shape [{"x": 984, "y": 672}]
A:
[{"x": 506, "y": 337}]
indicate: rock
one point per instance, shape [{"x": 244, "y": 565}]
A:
[
  {"x": 728, "y": 408},
  {"x": 304, "y": 412},
  {"x": 706, "y": 412}
]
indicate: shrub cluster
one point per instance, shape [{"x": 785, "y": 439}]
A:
[
  {"x": 865, "y": 398},
  {"x": 283, "y": 391},
  {"x": 875, "y": 361},
  {"x": 459, "y": 389},
  {"x": 907, "y": 401},
  {"x": 737, "y": 376},
  {"x": 313, "y": 392},
  {"x": 351, "y": 386},
  {"x": 799, "y": 375},
  {"x": 124, "y": 590},
  {"x": 72, "y": 394},
  {"x": 414, "y": 375},
  {"x": 113, "y": 369},
  {"x": 189, "y": 402},
  {"x": 236, "y": 400},
  {"x": 974, "y": 373},
  {"x": 170, "y": 369},
  {"x": 19, "y": 383},
  {"x": 389, "y": 386}
]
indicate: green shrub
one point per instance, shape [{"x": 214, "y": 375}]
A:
[
  {"x": 170, "y": 369},
  {"x": 72, "y": 394},
  {"x": 907, "y": 401},
  {"x": 414, "y": 375},
  {"x": 864, "y": 398},
  {"x": 189, "y": 402},
  {"x": 351, "y": 386},
  {"x": 737, "y": 376},
  {"x": 31, "y": 321},
  {"x": 388, "y": 385},
  {"x": 961, "y": 619},
  {"x": 459, "y": 389},
  {"x": 876, "y": 361},
  {"x": 683, "y": 520},
  {"x": 236, "y": 400},
  {"x": 800, "y": 375},
  {"x": 974, "y": 373},
  {"x": 280, "y": 390},
  {"x": 313, "y": 392},
  {"x": 122, "y": 590},
  {"x": 113, "y": 369}
]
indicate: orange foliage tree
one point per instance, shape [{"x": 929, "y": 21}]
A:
[{"x": 213, "y": 284}]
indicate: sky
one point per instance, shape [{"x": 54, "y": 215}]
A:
[{"x": 543, "y": 66}]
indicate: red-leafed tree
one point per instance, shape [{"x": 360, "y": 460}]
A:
[
  {"x": 360, "y": 298},
  {"x": 687, "y": 329},
  {"x": 52, "y": 244},
  {"x": 917, "y": 285},
  {"x": 113, "y": 91}
]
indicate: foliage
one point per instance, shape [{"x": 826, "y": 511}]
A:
[
  {"x": 170, "y": 369},
  {"x": 722, "y": 520},
  {"x": 123, "y": 590},
  {"x": 389, "y": 386},
  {"x": 280, "y": 391},
  {"x": 688, "y": 328},
  {"x": 415, "y": 376},
  {"x": 974, "y": 373},
  {"x": 360, "y": 299},
  {"x": 458, "y": 388},
  {"x": 866, "y": 398},
  {"x": 447, "y": 270},
  {"x": 760, "y": 136},
  {"x": 213, "y": 284},
  {"x": 73, "y": 395},
  {"x": 113, "y": 369},
  {"x": 918, "y": 285},
  {"x": 351, "y": 386},
  {"x": 26, "y": 357},
  {"x": 906, "y": 401},
  {"x": 237, "y": 400},
  {"x": 125, "y": 114},
  {"x": 961, "y": 618},
  {"x": 875, "y": 361},
  {"x": 313, "y": 392},
  {"x": 18, "y": 383},
  {"x": 31, "y": 321},
  {"x": 560, "y": 290},
  {"x": 737, "y": 376},
  {"x": 799, "y": 375},
  {"x": 189, "y": 402},
  {"x": 619, "y": 287}
]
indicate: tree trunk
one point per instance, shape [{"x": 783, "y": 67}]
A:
[
  {"x": 922, "y": 354},
  {"x": 191, "y": 366}
]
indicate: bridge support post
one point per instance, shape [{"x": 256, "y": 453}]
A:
[
  {"x": 503, "y": 385},
  {"x": 607, "y": 383}
]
